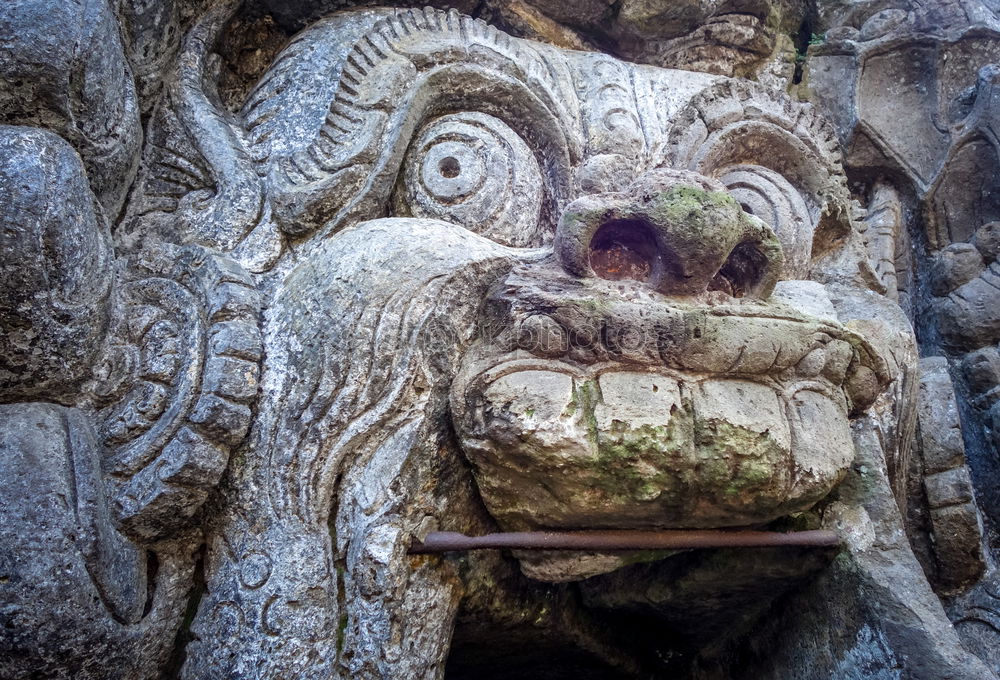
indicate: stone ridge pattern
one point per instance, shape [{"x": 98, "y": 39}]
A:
[{"x": 285, "y": 286}]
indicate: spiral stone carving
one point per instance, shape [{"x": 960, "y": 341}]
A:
[
  {"x": 180, "y": 373},
  {"x": 766, "y": 194},
  {"x": 472, "y": 169}
]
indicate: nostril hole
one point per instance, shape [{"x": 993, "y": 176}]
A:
[
  {"x": 449, "y": 167},
  {"x": 744, "y": 268},
  {"x": 623, "y": 250}
]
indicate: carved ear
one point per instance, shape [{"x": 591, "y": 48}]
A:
[
  {"x": 179, "y": 375},
  {"x": 200, "y": 184},
  {"x": 402, "y": 69}
]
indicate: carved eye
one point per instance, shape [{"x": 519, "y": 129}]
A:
[
  {"x": 472, "y": 169},
  {"x": 768, "y": 195},
  {"x": 542, "y": 335}
]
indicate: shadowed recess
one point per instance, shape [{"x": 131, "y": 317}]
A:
[
  {"x": 743, "y": 269},
  {"x": 623, "y": 249}
]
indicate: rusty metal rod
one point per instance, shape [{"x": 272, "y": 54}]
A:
[{"x": 673, "y": 539}]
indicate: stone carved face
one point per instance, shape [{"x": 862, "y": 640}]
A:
[
  {"x": 625, "y": 289},
  {"x": 647, "y": 377},
  {"x": 639, "y": 295},
  {"x": 663, "y": 360}
]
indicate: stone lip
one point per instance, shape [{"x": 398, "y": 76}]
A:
[
  {"x": 607, "y": 405},
  {"x": 546, "y": 315}
]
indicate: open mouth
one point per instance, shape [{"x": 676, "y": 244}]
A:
[
  {"x": 610, "y": 406},
  {"x": 615, "y": 448}
]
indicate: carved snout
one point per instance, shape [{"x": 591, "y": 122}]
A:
[{"x": 678, "y": 231}]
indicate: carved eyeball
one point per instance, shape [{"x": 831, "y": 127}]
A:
[
  {"x": 768, "y": 195},
  {"x": 473, "y": 170},
  {"x": 542, "y": 335}
]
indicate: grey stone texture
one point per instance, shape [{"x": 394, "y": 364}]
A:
[
  {"x": 63, "y": 68},
  {"x": 955, "y": 521},
  {"x": 79, "y": 599},
  {"x": 286, "y": 286},
  {"x": 57, "y": 267}
]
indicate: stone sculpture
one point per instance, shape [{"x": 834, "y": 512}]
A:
[
  {"x": 423, "y": 275},
  {"x": 943, "y": 163}
]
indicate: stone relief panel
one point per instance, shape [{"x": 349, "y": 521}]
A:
[
  {"x": 422, "y": 275},
  {"x": 940, "y": 154},
  {"x": 80, "y": 597}
]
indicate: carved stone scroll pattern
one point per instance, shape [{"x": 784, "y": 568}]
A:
[{"x": 180, "y": 376}]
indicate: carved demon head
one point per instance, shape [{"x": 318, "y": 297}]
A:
[
  {"x": 647, "y": 376},
  {"x": 426, "y": 276},
  {"x": 666, "y": 354},
  {"x": 628, "y": 296}
]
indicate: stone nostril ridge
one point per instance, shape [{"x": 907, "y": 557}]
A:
[{"x": 677, "y": 231}]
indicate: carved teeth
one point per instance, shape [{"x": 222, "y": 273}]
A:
[{"x": 557, "y": 450}]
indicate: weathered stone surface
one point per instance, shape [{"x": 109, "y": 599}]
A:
[
  {"x": 178, "y": 378},
  {"x": 967, "y": 319},
  {"x": 387, "y": 271},
  {"x": 894, "y": 628},
  {"x": 957, "y": 537},
  {"x": 987, "y": 240},
  {"x": 954, "y": 267},
  {"x": 941, "y": 443},
  {"x": 947, "y": 50},
  {"x": 63, "y": 68},
  {"x": 56, "y": 273},
  {"x": 951, "y": 487},
  {"x": 472, "y": 169},
  {"x": 78, "y": 599},
  {"x": 982, "y": 369},
  {"x": 975, "y": 614}
]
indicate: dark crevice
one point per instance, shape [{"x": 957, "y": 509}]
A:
[
  {"x": 614, "y": 9},
  {"x": 152, "y": 570},
  {"x": 477, "y": 13},
  {"x": 743, "y": 270},
  {"x": 801, "y": 41},
  {"x": 172, "y": 671},
  {"x": 624, "y": 250},
  {"x": 340, "y": 566},
  {"x": 522, "y": 659}
]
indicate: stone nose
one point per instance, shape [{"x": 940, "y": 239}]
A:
[{"x": 677, "y": 231}]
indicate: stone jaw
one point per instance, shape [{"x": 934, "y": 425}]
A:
[{"x": 598, "y": 404}]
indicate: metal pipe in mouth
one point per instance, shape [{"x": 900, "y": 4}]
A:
[{"x": 598, "y": 540}]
